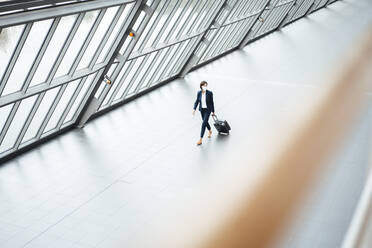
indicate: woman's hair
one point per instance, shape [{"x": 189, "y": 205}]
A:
[{"x": 203, "y": 83}]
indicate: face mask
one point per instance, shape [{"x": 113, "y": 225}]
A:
[{"x": 204, "y": 88}]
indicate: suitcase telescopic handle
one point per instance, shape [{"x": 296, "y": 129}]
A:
[{"x": 215, "y": 117}]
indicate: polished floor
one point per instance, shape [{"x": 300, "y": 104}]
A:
[{"x": 101, "y": 185}]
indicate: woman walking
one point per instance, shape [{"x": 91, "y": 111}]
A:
[{"x": 204, "y": 99}]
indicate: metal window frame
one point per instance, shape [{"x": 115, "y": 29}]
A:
[
  {"x": 58, "y": 11},
  {"x": 14, "y": 57},
  {"x": 87, "y": 41},
  {"x": 40, "y": 55}
]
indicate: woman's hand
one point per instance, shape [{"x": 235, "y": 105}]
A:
[
  {"x": 213, "y": 114},
  {"x": 193, "y": 112}
]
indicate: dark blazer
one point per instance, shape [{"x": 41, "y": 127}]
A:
[{"x": 208, "y": 99}]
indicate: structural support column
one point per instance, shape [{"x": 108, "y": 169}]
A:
[
  {"x": 92, "y": 103},
  {"x": 123, "y": 58}
]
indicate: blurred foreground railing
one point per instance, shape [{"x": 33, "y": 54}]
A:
[
  {"x": 360, "y": 231},
  {"x": 239, "y": 212},
  {"x": 359, "y": 234},
  {"x": 263, "y": 213}
]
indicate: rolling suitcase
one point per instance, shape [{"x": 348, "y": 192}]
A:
[{"x": 221, "y": 126}]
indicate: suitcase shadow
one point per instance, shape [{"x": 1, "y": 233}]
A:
[{"x": 222, "y": 137}]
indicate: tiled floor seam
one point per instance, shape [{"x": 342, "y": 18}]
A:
[{"x": 69, "y": 214}]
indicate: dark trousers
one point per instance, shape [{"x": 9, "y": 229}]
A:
[{"x": 205, "y": 113}]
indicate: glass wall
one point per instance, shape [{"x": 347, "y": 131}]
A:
[{"x": 77, "y": 58}]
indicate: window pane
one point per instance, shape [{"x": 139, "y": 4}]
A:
[
  {"x": 138, "y": 78},
  {"x": 116, "y": 83},
  {"x": 185, "y": 54},
  {"x": 17, "y": 123},
  {"x": 77, "y": 43},
  {"x": 4, "y": 113},
  {"x": 62, "y": 105},
  {"x": 189, "y": 11},
  {"x": 8, "y": 41},
  {"x": 195, "y": 18},
  {"x": 165, "y": 63},
  {"x": 159, "y": 26},
  {"x": 97, "y": 38},
  {"x": 168, "y": 69},
  {"x": 177, "y": 57},
  {"x": 167, "y": 30},
  {"x": 134, "y": 70},
  {"x": 114, "y": 33},
  {"x": 100, "y": 89},
  {"x": 149, "y": 27},
  {"x": 145, "y": 71},
  {"x": 40, "y": 114},
  {"x": 201, "y": 16},
  {"x": 77, "y": 103},
  {"x": 124, "y": 77},
  {"x": 124, "y": 47},
  {"x": 102, "y": 83},
  {"x": 27, "y": 56},
  {"x": 156, "y": 65},
  {"x": 139, "y": 20},
  {"x": 53, "y": 50}
]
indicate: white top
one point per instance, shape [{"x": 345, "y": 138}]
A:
[{"x": 203, "y": 100}]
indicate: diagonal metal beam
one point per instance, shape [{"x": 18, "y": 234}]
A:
[
  {"x": 91, "y": 104},
  {"x": 58, "y": 11},
  {"x": 128, "y": 52}
]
